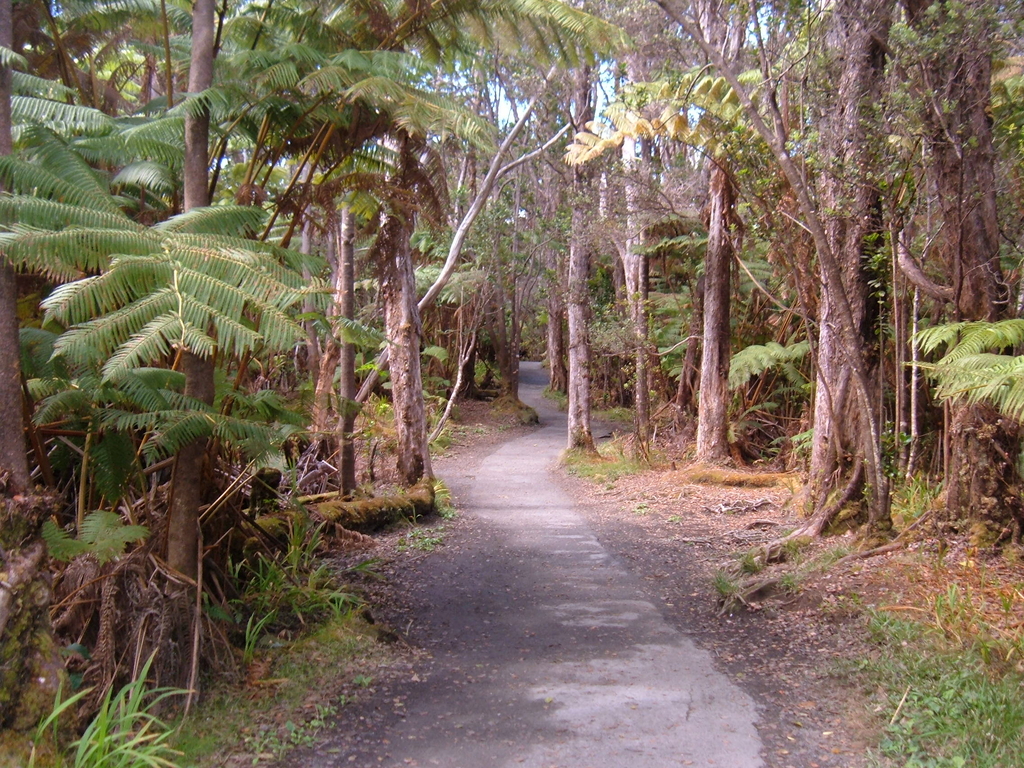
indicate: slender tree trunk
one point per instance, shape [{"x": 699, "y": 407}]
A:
[
  {"x": 578, "y": 292},
  {"x": 555, "y": 266},
  {"x": 578, "y": 310},
  {"x": 187, "y": 485},
  {"x": 13, "y": 457},
  {"x": 689, "y": 375},
  {"x": 713, "y": 408},
  {"x": 347, "y": 405},
  {"x": 634, "y": 272}
]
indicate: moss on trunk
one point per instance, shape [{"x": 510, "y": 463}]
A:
[{"x": 31, "y": 671}]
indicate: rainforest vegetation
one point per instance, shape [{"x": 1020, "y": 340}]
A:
[{"x": 256, "y": 251}]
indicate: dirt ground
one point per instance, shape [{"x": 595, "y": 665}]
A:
[{"x": 676, "y": 534}]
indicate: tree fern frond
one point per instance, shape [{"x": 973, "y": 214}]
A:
[
  {"x": 24, "y": 84},
  {"x": 42, "y": 214},
  {"x": 971, "y": 338},
  {"x": 53, "y": 153},
  {"x": 354, "y": 332},
  {"x": 146, "y": 175},
  {"x": 74, "y": 250},
  {"x": 150, "y": 343},
  {"x": 113, "y": 466},
  {"x": 756, "y": 359},
  {"x": 237, "y": 221},
  {"x": 58, "y": 115},
  {"x": 9, "y": 59}
]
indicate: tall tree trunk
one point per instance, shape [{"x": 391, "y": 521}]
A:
[
  {"x": 713, "y": 408},
  {"x": 402, "y": 320},
  {"x": 858, "y": 30},
  {"x": 347, "y": 406},
  {"x": 187, "y": 485},
  {"x": 634, "y": 271},
  {"x": 983, "y": 485},
  {"x": 13, "y": 457},
  {"x": 578, "y": 293}
]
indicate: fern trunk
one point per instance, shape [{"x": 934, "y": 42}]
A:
[
  {"x": 348, "y": 407},
  {"x": 13, "y": 458},
  {"x": 187, "y": 483}
]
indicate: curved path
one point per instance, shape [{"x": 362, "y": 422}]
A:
[{"x": 546, "y": 653}]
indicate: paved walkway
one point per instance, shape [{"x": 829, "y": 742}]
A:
[{"x": 546, "y": 654}]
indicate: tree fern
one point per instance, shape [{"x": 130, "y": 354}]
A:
[
  {"x": 757, "y": 358},
  {"x": 973, "y": 369},
  {"x": 102, "y": 535}
]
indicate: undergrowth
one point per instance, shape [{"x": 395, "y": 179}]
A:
[
  {"x": 948, "y": 703},
  {"x": 291, "y": 695}
]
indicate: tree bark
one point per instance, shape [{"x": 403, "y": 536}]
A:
[
  {"x": 634, "y": 272},
  {"x": 323, "y": 417},
  {"x": 983, "y": 488},
  {"x": 578, "y": 293},
  {"x": 857, "y": 35},
  {"x": 771, "y": 127},
  {"x": 393, "y": 255},
  {"x": 713, "y": 407},
  {"x": 187, "y": 485},
  {"x": 13, "y": 457},
  {"x": 31, "y": 671},
  {"x": 347, "y": 406},
  {"x": 555, "y": 266}
]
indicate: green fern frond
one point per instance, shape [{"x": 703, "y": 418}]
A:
[
  {"x": 24, "y": 84},
  {"x": 58, "y": 115},
  {"x": 971, "y": 338},
  {"x": 354, "y": 332},
  {"x": 35, "y": 212},
  {"x": 103, "y": 535},
  {"x": 107, "y": 536},
  {"x": 65, "y": 255},
  {"x": 235, "y": 221},
  {"x": 756, "y": 359},
  {"x": 113, "y": 465},
  {"x": 9, "y": 59},
  {"x": 146, "y": 175}
]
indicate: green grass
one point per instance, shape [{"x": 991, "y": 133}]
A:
[
  {"x": 605, "y": 467},
  {"x": 304, "y": 691},
  {"x": 948, "y": 701},
  {"x": 422, "y": 539}
]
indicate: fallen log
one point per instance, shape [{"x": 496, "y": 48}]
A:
[{"x": 367, "y": 515}]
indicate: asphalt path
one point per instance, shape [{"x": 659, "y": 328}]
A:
[{"x": 545, "y": 652}]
